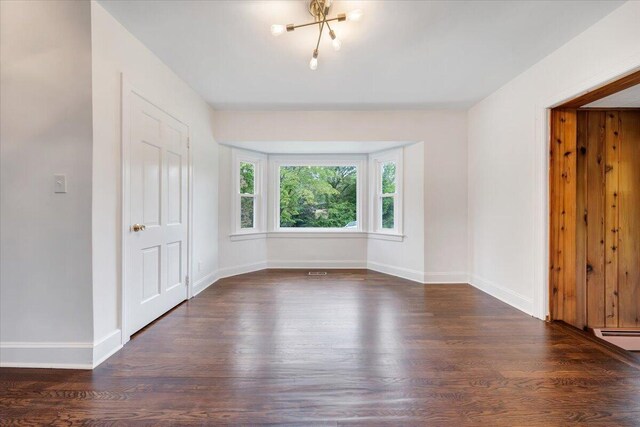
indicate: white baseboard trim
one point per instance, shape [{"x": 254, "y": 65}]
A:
[
  {"x": 505, "y": 295},
  {"x": 241, "y": 269},
  {"x": 204, "y": 283},
  {"x": 106, "y": 347},
  {"x": 404, "y": 273},
  {"x": 58, "y": 355},
  {"x": 329, "y": 264},
  {"x": 446, "y": 278}
]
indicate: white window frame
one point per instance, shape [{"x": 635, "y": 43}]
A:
[
  {"x": 359, "y": 161},
  {"x": 376, "y": 161},
  {"x": 259, "y": 161}
]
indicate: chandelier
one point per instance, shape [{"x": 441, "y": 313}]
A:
[{"x": 319, "y": 9}]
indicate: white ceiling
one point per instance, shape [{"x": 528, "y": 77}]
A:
[
  {"x": 403, "y": 54},
  {"x": 628, "y": 98},
  {"x": 314, "y": 147}
]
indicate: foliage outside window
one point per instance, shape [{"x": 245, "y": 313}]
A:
[
  {"x": 247, "y": 195},
  {"x": 318, "y": 196},
  {"x": 388, "y": 194}
]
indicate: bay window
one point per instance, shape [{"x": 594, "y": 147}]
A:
[
  {"x": 248, "y": 207},
  {"x": 247, "y": 195},
  {"x": 317, "y": 193},
  {"x": 355, "y": 194},
  {"x": 387, "y": 185}
]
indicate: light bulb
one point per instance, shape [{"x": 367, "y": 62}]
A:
[
  {"x": 277, "y": 29},
  {"x": 334, "y": 40},
  {"x": 313, "y": 64},
  {"x": 355, "y": 15}
]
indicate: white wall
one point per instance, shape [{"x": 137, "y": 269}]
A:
[
  {"x": 444, "y": 162},
  {"x": 116, "y": 51},
  {"x": 241, "y": 256},
  {"x": 45, "y": 128},
  {"x": 508, "y": 160},
  {"x": 324, "y": 252},
  {"x": 406, "y": 258}
]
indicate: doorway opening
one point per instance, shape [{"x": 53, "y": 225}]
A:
[{"x": 594, "y": 199}]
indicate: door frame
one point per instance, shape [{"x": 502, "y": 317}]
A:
[
  {"x": 597, "y": 87},
  {"x": 127, "y": 88}
]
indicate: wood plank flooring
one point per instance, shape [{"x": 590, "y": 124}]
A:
[{"x": 350, "y": 348}]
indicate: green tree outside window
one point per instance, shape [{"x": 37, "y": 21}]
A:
[{"x": 318, "y": 196}]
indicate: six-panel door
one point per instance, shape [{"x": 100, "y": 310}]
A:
[{"x": 156, "y": 264}]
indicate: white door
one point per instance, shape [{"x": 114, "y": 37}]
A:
[{"x": 156, "y": 209}]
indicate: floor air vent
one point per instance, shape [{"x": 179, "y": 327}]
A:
[
  {"x": 317, "y": 273},
  {"x": 629, "y": 339},
  {"x": 606, "y": 333}
]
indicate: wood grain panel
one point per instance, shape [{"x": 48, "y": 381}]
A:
[
  {"x": 570, "y": 216},
  {"x": 629, "y": 220},
  {"x": 581, "y": 222},
  {"x": 595, "y": 123},
  {"x": 555, "y": 218},
  {"x": 555, "y": 191},
  {"x": 612, "y": 169},
  {"x": 563, "y": 216}
]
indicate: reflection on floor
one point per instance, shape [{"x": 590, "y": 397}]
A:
[{"x": 352, "y": 347}]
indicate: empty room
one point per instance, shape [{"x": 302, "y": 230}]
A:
[{"x": 317, "y": 212}]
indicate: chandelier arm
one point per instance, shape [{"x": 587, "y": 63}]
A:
[
  {"x": 315, "y": 23},
  {"x": 320, "y": 35},
  {"x": 324, "y": 17},
  {"x": 324, "y": 21},
  {"x": 328, "y": 26}
]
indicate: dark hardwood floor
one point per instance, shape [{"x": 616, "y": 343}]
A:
[{"x": 360, "y": 348}]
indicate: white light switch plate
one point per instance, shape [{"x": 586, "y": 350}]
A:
[{"x": 59, "y": 183}]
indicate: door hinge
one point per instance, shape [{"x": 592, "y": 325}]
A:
[
  {"x": 186, "y": 280},
  {"x": 188, "y": 142}
]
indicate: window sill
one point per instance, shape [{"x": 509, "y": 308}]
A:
[
  {"x": 391, "y": 237},
  {"x": 247, "y": 236},
  {"x": 334, "y": 235},
  {"x": 310, "y": 234}
]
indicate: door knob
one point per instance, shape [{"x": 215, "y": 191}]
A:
[{"x": 138, "y": 227}]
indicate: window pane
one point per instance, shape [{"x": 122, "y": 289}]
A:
[
  {"x": 318, "y": 196},
  {"x": 247, "y": 178},
  {"x": 388, "y": 178},
  {"x": 246, "y": 212},
  {"x": 387, "y": 212}
]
